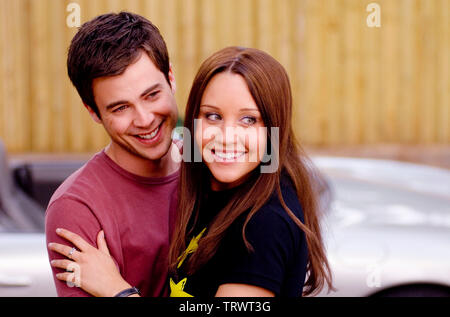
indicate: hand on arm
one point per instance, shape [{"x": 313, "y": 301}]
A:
[{"x": 93, "y": 269}]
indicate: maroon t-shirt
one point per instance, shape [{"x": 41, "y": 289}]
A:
[{"x": 136, "y": 213}]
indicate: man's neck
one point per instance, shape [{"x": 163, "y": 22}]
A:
[{"x": 141, "y": 166}]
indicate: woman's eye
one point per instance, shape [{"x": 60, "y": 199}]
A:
[
  {"x": 212, "y": 116},
  {"x": 248, "y": 120}
]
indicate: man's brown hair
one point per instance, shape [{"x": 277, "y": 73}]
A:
[{"x": 107, "y": 45}]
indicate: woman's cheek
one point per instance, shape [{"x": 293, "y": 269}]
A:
[
  {"x": 256, "y": 145},
  {"x": 204, "y": 144},
  {"x": 262, "y": 142}
]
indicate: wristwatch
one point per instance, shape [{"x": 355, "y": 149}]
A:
[{"x": 127, "y": 292}]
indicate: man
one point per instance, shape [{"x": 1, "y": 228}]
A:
[{"x": 120, "y": 67}]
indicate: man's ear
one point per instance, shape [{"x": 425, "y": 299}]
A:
[
  {"x": 93, "y": 115},
  {"x": 173, "y": 83}
]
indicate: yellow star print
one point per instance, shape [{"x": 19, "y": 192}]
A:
[
  {"x": 193, "y": 245},
  {"x": 177, "y": 289}
]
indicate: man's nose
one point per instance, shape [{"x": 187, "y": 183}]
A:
[{"x": 143, "y": 117}]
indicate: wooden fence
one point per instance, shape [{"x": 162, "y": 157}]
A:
[{"x": 352, "y": 83}]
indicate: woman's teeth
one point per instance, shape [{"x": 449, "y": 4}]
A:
[
  {"x": 228, "y": 155},
  {"x": 149, "y": 135}
]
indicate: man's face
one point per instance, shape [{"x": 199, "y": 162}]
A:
[{"x": 138, "y": 110}]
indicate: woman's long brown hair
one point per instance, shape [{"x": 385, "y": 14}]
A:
[{"x": 270, "y": 88}]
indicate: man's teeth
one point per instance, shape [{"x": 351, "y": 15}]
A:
[
  {"x": 150, "y": 135},
  {"x": 228, "y": 155}
]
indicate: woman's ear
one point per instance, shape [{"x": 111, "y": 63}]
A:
[
  {"x": 172, "y": 81},
  {"x": 93, "y": 115}
]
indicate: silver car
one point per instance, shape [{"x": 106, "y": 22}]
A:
[{"x": 387, "y": 228}]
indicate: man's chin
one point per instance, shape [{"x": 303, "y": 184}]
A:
[{"x": 154, "y": 154}]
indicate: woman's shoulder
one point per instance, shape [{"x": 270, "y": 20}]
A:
[
  {"x": 289, "y": 194},
  {"x": 273, "y": 219}
]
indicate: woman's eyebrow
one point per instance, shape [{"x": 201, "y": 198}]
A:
[
  {"x": 249, "y": 109},
  {"x": 210, "y": 106},
  {"x": 240, "y": 110}
]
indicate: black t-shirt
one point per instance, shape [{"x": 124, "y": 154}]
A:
[{"x": 280, "y": 255}]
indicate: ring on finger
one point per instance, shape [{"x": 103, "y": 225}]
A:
[{"x": 71, "y": 252}]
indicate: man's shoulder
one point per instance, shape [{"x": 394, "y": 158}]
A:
[{"x": 83, "y": 182}]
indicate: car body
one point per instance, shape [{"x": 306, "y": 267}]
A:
[{"x": 387, "y": 228}]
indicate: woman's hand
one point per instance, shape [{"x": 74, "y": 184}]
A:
[{"x": 94, "y": 270}]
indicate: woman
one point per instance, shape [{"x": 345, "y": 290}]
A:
[{"x": 248, "y": 221}]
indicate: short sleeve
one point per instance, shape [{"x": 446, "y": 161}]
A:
[
  {"x": 274, "y": 241},
  {"x": 75, "y": 216}
]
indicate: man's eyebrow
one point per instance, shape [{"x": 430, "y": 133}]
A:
[
  {"x": 115, "y": 103},
  {"x": 146, "y": 91},
  {"x": 149, "y": 89}
]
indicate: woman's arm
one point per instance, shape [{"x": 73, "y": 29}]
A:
[
  {"x": 92, "y": 269},
  {"x": 243, "y": 290}
]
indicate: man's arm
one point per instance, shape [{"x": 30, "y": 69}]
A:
[{"x": 75, "y": 216}]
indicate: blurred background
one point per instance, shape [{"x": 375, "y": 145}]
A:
[{"x": 358, "y": 90}]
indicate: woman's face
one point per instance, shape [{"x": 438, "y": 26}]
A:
[{"x": 230, "y": 133}]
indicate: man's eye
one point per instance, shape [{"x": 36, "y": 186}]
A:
[
  {"x": 121, "y": 108},
  {"x": 212, "y": 116},
  {"x": 153, "y": 94},
  {"x": 248, "y": 120}
]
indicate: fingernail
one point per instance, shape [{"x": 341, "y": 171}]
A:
[
  {"x": 50, "y": 245},
  {"x": 58, "y": 230}
]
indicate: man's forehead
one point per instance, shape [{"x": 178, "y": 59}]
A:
[{"x": 132, "y": 83}]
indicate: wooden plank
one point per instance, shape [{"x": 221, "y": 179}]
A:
[
  {"x": 332, "y": 79},
  {"x": 407, "y": 106},
  {"x": 56, "y": 72},
  {"x": 300, "y": 65},
  {"x": 371, "y": 82},
  {"x": 152, "y": 10},
  {"x": 77, "y": 123},
  {"x": 265, "y": 27},
  {"x": 443, "y": 69},
  {"x": 244, "y": 20},
  {"x": 6, "y": 92},
  {"x": 282, "y": 32},
  {"x": 428, "y": 74},
  {"x": 40, "y": 88},
  {"x": 187, "y": 44},
  {"x": 351, "y": 98},
  {"x": 389, "y": 70},
  {"x": 2, "y": 82},
  {"x": 207, "y": 26}
]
